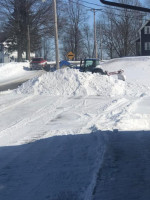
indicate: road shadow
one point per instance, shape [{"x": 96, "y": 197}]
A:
[
  {"x": 47, "y": 68},
  {"x": 26, "y": 68},
  {"x": 59, "y": 167},
  {"x": 124, "y": 173},
  {"x": 10, "y": 86},
  {"x": 108, "y": 165}
]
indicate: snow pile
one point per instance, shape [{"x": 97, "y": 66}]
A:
[
  {"x": 11, "y": 70},
  {"x": 72, "y": 82}
]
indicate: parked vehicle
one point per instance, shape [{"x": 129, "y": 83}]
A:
[
  {"x": 93, "y": 65},
  {"x": 89, "y": 64},
  {"x": 38, "y": 63}
]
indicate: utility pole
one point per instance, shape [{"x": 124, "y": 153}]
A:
[
  {"x": 95, "y": 41},
  {"x": 101, "y": 46},
  {"x": 56, "y": 35},
  {"x": 28, "y": 44}
]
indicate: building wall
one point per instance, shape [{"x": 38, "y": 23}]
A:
[
  {"x": 1, "y": 57},
  {"x": 10, "y": 57},
  {"x": 1, "y": 53},
  {"x": 138, "y": 47},
  {"x": 6, "y": 58},
  {"x": 145, "y": 38}
]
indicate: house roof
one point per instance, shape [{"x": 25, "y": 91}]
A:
[
  {"x": 137, "y": 40},
  {"x": 144, "y": 25}
]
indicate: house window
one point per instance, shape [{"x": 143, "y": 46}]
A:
[
  {"x": 147, "y": 45},
  {"x": 147, "y": 29}
]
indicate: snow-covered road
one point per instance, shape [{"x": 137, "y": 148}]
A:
[
  {"x": 50, "y": 113},
  {"x": 69, "y": 135},
  {"x": 13, "y": 75}
]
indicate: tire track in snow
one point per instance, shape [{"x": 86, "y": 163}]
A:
[
  {"x": 104, "y": 117},
  {"x": 120, "y": 115},
  {"x": 54, "y": 116},
  {"x": 29, "y": 119},
  {"x": 113, "y": 113},
  {"x": 132, "y": 118},
  {"x": 44, "y": 115},
  {"x": 16, "y": 103}
]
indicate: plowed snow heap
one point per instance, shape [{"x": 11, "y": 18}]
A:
[{"x": 72, "y": 82}]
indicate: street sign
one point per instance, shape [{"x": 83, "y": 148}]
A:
[{"x": 70, "y": 55}]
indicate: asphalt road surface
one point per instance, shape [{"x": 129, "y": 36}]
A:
[
  {"x": 13, "y": 84},
  {"x": 125, "y": 174},
  {"x": 10, "y": 86}
]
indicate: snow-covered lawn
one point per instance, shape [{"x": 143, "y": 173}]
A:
[
  {"x": 61, "y": 133},
  {"x": 11, "y": 71}
]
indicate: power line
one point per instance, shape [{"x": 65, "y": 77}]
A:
[
  {"x": 100, "y": 10},
  {"x": 112, "y": 7},
  {"x": 80, "y": 4},
  {"x": 119, "y": 9}
]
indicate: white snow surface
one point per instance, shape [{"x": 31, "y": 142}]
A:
[
  {"x": 139, "y": 66},
  {"x": 69, "y": 135},
  {"x": 12, "y": 71}
]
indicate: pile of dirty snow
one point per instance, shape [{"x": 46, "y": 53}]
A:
[{"x": 72, "y": 82}]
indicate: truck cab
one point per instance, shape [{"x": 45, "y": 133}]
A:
[{"x": 89, "y": 64}]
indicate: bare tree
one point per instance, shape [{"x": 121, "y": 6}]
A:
[
  {"x": 100, "y": 38},
  {"x": 73, "y": 36},
  {"x": 87, "y": 42},
  {"x": 47, "y": 48},
  {"x": 121, "y": 27}
]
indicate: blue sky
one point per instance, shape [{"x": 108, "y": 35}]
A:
[
  {"x": 100, "y": 4},
  {"x": 90, "y": 3},
  {"x": 142, "y": 1}
]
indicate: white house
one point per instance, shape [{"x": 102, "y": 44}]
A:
[{"x": 5, "y": 56}]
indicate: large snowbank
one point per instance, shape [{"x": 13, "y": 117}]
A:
[{"x": 72, "y": 82}]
